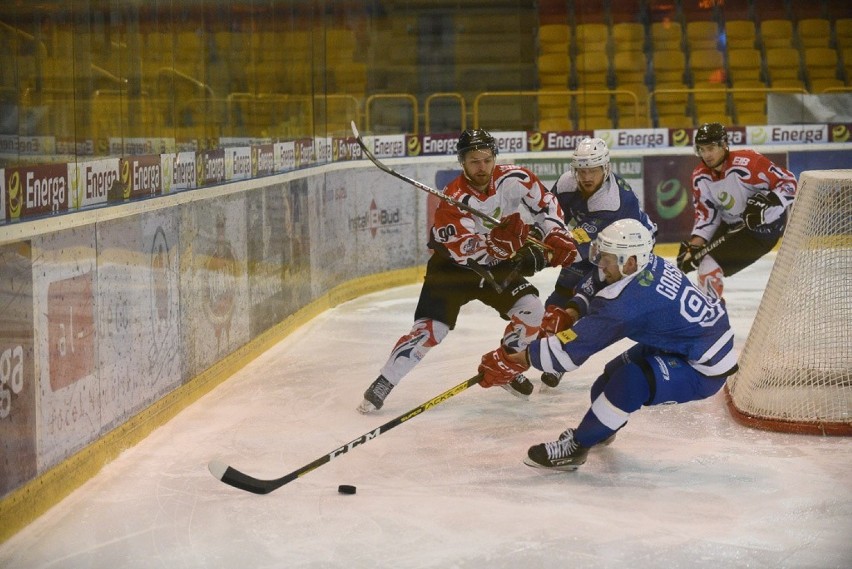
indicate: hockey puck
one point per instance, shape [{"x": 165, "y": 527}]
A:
[{"x": 346, "y": 489}]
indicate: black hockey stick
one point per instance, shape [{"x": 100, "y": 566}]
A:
[
  {"x": 237, "y": 479},
  {"x": 701, "y": 253},
  {"x": 419, "y": 185}
]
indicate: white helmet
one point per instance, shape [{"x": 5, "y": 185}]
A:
[
  {"x": 591, "y": 153},
  {"x": 624, "y": 238}
]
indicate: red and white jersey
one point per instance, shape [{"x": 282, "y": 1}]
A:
[
  {"x": 461, "y": 235},
  {"x": 721, "y": 198}
]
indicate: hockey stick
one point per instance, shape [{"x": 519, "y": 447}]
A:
[
  {"x": 416, "y": 184},
  {"x": 232, "y": 476},
  {"x": 716, "y": 242}
]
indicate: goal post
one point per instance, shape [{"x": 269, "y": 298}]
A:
[{"x": 795, "y": 371}]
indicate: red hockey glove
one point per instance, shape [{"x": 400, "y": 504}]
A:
[
  {"x": 556, "y": 319},
  {"x": 507, "y": 237},
  {"x": 564, "y": 248},
  {"x": 497, "y": 369}
]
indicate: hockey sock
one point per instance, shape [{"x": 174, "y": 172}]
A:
[
  {"x": 710, "y": 276},
  {"x": 413, "y": 347},
  {"x": 524, "y": 322}
]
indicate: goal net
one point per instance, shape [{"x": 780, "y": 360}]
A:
[{"x": 796, "y": 367}]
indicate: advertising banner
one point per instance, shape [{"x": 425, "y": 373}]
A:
[
  {"x": 17, "y": 379},
  {"x": 138, "y": 305},
  {"x": 91, "y": 181},
  {"x": 214, "y": 284},
  {"x": 65, "y": 270},
  {"x": 178, "y": 171},
  {"x": 36, "y": 190},
  {"x": 237, "y": 163}
]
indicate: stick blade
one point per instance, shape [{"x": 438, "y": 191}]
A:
[
  {"x": 217, "y": 468},
  {"x": 354, "y": 129},
  {"x": 237, "y": 479}
]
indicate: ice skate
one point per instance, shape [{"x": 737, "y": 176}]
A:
[
  {"x": 562, "y": 454},
  {"x": 375, "y": 395},
  {"x": 520, "y": 387},
  {"x": 551, "y": 379}
]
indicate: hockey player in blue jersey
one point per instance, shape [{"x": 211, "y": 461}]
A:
[
  {"x": 592, "y": 196},
  {"x": 684, "y": 349}
]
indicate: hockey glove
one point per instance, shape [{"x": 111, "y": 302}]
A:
[
  {"x": 507, "y": 237},
  {"x": 754, "y": 214},
  {"x": 686, "y": 260},
  {"x": 564, "y": 248},
  {"x": 497, "y": 369},
  {"x": 556, "y": 319},
  {"x": 529, "y": 260}
]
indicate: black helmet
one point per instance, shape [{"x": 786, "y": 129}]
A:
[
  {"x": 709, "y": 133},
  {"x": 475, "y": 139}
]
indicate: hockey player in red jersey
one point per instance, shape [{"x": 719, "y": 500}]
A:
[
  {"x": 740, "y": 193},
  {"x": 471, "y": 257}
]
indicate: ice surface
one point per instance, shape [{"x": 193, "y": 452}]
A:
[{"x": 682, "y": 486}]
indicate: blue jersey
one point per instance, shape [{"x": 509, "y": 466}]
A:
[
  {"x": 657, "y": 307},
  {"x": 613, "y": 201}
]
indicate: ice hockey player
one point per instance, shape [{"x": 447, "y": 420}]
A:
[
  {"x": 466, "y": 251},
  {"x": 736, "y": 192},
  {"x": 684, "y": 349},
  {"x": 592, "y": 196}
]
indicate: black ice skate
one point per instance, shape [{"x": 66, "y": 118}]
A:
[
  {"x": 519, "y": 387},
  {"x": 375, "y": 395},
  {"x": 562, "y": 454},
  {"x": 551, "y": 379}
]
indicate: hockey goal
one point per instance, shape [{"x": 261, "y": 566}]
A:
[{"x": 796, "y": 367}]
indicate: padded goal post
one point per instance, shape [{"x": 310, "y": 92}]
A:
[{"x": 796, "y": 367}]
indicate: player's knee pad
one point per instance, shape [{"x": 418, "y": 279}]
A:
[
  {"x": 710, "y": 277},
  {"x": 629, "y": 387},
  {"x": 524, "y": 322}
]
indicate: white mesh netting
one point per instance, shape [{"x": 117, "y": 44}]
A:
[{"x": 796, "y": 367}]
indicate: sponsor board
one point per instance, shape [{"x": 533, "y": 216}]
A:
[
  {"x": 178, "y": 170},
  {"x": 548, "y": 141},
  {"x": 284, "y": 158},
  {"x": 787, "y": 134},
  {"x": 511, "y": 141},
  {"x": 141, "y": 176},
  {"x": 210, "y": 167},
  {"x": 68, "y": 388},
  {"x": 36, "y": 190},
  {"x": 138, "y": 311},
  {"x": 304, "y": 152},
  {"x": 17, "y": 375},
  {"x": 386, "y": 146},
  {"x": 141, "y": 146},
  {"x": 345, "y": 149},
  {"x": 237, "y": 163},
  {"x": 634, "y": 138},
  {"x": 262, "y": 160},
  {"x": 91, "y": 181},
  {"x": 431, "y": 144}
]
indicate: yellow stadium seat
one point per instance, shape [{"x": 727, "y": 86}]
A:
[
  {"x": 783, "y": 63},
  {"x": 820, "y": 63},
  {"x": 628, "y": 36},
  {"x": 554, "y": 38},
  {"x": 591, "y": 38},
  {"x": 702, "y": 35},
  {"x": 744, "y": 64},
  {"x": 669, "y": 66},
  {"x": 843, "y": 35},
  {"x": 776, "y": 34},
  {"x": 740, "y": 34},
  {"x": 814, "y": 32},
  {"x": 629, "y": 67},
  {"x": 666, "y": 36},
  {"x": 591, "y": 70},
  {"x": 707, "y": 65},
  {"x": 553, "y": 70}
]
